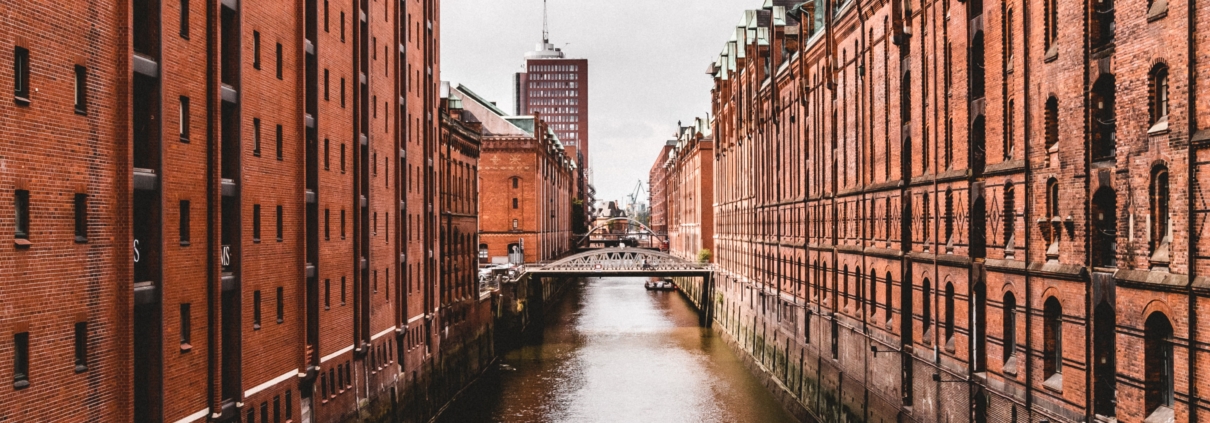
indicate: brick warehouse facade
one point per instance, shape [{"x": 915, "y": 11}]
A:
[
  {"x": 967, "y": 211},
  {"x": 689, "y": 188},
  {"x": 527, "y": 184},
  {"x": 191, "y": 123},
  {"x": 658, "y": 196}
]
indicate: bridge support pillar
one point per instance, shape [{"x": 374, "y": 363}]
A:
[{"x": 706, "y": 314}]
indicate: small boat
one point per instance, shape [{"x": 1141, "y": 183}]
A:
[{"x": 664, "y": 285}]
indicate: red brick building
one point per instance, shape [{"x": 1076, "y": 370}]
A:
[
  {"x": 658, "y": 196},
  {"x": 952, "y": 211},
  {"x": 527, "y": 184},
  {"x": 689, "y": 189},
  {"x": 237, "y": 219}
]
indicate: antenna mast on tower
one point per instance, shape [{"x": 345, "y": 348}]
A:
[{"x": 545, "y": 27}]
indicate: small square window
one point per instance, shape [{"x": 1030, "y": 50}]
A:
[
  {"x": 81, "y": 90},
  {"x": 186, "y": 327},
  {"x": 256, "y": 310},
  {"x": 21, "y": 75},
  {"x": 256, "y": 49},
  {"x": 21, "y": 360},
  {"x": 256, "y": 137},
  {"x": 256, "y": 223},
  {"x": 185, "y": 19},
  {"x": 184, "y": 119},
  {"x": 184, "y": 223},
  {"x": 281, "y": 301},
  {"x": 81, "y": 217},
  {"x": 81, "y": 360},
  {"x": 21, "y": 206}
]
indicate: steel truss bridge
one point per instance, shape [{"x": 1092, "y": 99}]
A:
[{"x": 634, "y": 262}]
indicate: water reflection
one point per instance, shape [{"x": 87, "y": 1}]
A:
[{"x": 612, "y": 351}]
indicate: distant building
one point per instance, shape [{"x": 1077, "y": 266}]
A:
[
  {"x": 527, "y": 182},
  {"x": 556, "y": 87},
  {"x": 656, "y": 181},
  {"x": 689, "y": 191}
]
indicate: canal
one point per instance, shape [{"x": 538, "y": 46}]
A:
[{"x": 612, "y": 351}]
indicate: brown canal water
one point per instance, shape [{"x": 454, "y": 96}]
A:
[{"x": 611, "y": 351}]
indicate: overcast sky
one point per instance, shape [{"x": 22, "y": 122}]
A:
[{"x": 647, "y": 66}]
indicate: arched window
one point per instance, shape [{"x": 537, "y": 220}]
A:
[
  {"x": 1158, "y": 351},
  {"x": 1052, "y": 335},
  {"x": 926, "y": 305},
  {"x": 845, "y": 290},
  {"x": 1159, "y": 96},
  {"x": 1104, "y": 119},
  {"x": 977, "y": 71},
  {"x": 1010, "y": 326},
  {"x": 949, "y": 311},
  {"x": 887, "y": 293},
  {"x": 873, "y": 292},
  {"x": 1160, "y": 227},
  {"x": 1105, "y": 228},
  {"x": 1052, "y": 121}
]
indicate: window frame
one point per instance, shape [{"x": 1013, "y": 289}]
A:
[{"x": 21, "y": 75}]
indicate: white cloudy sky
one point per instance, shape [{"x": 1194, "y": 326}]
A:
[{"x": 647, "y": 64}]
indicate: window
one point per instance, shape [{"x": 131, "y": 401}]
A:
[
  {"x": 279, "y": 223},
  {"x": 1010, "y": 326},
  {"x": 279, "y": 142},
  {"x": 342, "y": 290},
  {"x": 21, "y": 206},
  {"x": 1008, "y": 38},
  {"x": 21, "y": 360},
  {"x": 1010, "y": 125},
  {"x": 1010, "y": 214},
  {"x": 949, "y": 311},
  {"x": 256, "y": 49},
  {"x": 323, "y": 387},
  {"x": 325, "y": 30},
  {"x": 342, "y": 224},
  {"x": 515, "y": 224},
  {"x": 926, "y": 298},
  {"x": 21, "y": 75},
  {"x": 1159, "y": 96},
  {"x": 327, "y": 156},
  {"x": 327, "y": 294},
  {"x": 81, "y": 217},
  {"x": 1052, "y": 27},
  {"x": 264, "y": 412},
  {"x": 256, "y": 309},
  {"x": 256, "y": 223},
  {"x": 281, "y": 301},
  {"x": 185, "y": 19},
  {"x": 81, "y": 89},
  {"x": 186, "y": 327},
  {"x": 1053, "y": 337},
  {"x": 949, "y": 215},
  {"x": 279, "y": 61},
  {"x": 184, "y": 119},
  {"x": 81, "y": 359},
  {"x": 256, "y": 137},
  {"x": 516, "y": 182},
  {"x": 327, "y": 227},
  {"x": 1158, "y": 362},
  {"x": 1052, "y": 122},
  {"x": 342, "y": 27},
  {"x": 289, "y": 396},
  {"x": 1052, "y": 198},
  {"x": 1160, "y": 227},
  {"x": 326, "y": 85},
  {"x": 342, "y": 158},
  {"x": 251, "y": 414},
  {"x": 184, "y": 223},
  {"x": 515, "y": 203},
  {"x": 873, "y": 292},
  {"x": 342, "y": 93},
  {"x": 277, "y": 409}
]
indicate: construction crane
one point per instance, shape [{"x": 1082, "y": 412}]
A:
[{"x": 634, "y": 197}]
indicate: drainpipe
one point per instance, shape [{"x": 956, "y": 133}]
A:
[
  {"x": 1190, "y": 186},
  {"x": 1029, "y": 372}
]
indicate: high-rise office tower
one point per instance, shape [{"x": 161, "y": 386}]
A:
[{"x": 557, "y": 88}]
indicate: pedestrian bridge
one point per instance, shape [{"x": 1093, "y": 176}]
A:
[{"x": 621, "y": 262}]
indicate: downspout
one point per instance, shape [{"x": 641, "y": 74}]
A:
[
  {"x": 1194, "y": 396},
  {"x": 1029, "y": 390}
]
